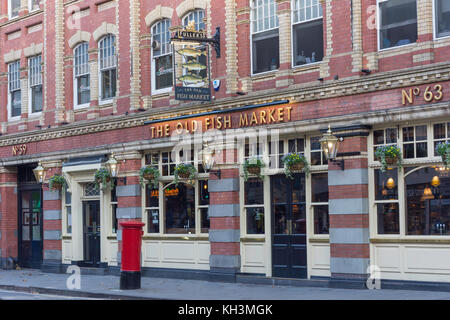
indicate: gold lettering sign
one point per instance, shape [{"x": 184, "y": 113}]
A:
[
  {"x": 19, "y": 150},
  {"x": 222, "y": 122},
  {"x": 431, "y": 93}
]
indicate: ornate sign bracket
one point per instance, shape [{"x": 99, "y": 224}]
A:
[{"x": 190, "y": 37}]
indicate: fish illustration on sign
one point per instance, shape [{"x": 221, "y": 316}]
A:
[
  {"x": 189, "y": 52},
  {"x": 191, "y": 78},
  {"x": 194, "y": 66}
]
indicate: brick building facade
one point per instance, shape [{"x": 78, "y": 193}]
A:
[{"x": 81, "y": 80}]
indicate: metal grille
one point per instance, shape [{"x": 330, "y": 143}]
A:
[
  {"x": 264, "y": 15},
  {"x": 90, "y": 190},
  {"x": 34, "y": 65},
  {"x": 14, "y": 76},
  {"x": 81, "y": 60},
  {"x": 305, "y": 10},
  {"x": 107, "y": 52}
]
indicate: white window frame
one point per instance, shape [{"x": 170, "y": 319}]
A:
[
  {"x": 30, "y": 6},
  {"x": 379, "y": 28},
  {"x": 190, "y": 15},
  {"x": 293, "y": 23},
  {"x": 76, "y": 76},
  {"x": 108, "y": 68},
  {"x": 10, "y": 117},
  {"x": 252, "y": 33},
  {"x": 30, "y": 87},
  {"x": 65, "y": 217},
  {"x": 153, "y": 64},
  {"x": 10, "y": 11},
  {"x": 435, "y": 23}
]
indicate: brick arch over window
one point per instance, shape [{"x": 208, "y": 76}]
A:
[
  {"x": 105, "y": 29},
  {"x": 159, "y": 13},
  {"x": 78, "y": 37},
  {"x": 189, "y": 5}
]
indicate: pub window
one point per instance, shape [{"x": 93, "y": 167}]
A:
[
  {"x": 415, "y": 142},
  {"x": 427, "y": 202},
  {"x": 319, "y": 202},
  {"x": 152, "y": 208},
  {"x": 254, "y": 206},
  {"x": 33, "y": 5},
  {"x": 82, "y": 90},
  {"x": 15, "y": 93},
  {"x": 168, "y": 163},
  {"x": 35, "y": 84},
  {"x": 382, "y": 137},
  {"x": 442, "y": 21},
  {"x": 253, "y": 148},
  {"x": 108, "y": 69},
  {"x": 13, "y": 8},
  {"x": 276, "y": 150},
  {"x": 68, "y": 210},
  {"x": 265, "y": 36},
  {"x": 179, "y": 209},
  {"x": 113, "y": 204},
  {"x": 307, "y": 32},
  {"x": 317, "y": 156},
  {"x": 397, "y": 22},
  {"x": 162, "y": 65},
  {"x": 386, "y": 201},
  {"x": 441, "y": 134}
]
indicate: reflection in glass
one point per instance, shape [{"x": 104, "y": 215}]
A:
[
  {"x": 388, "y": 218},
  {"x": 179, "y": 209},
  {"x": 321, "y": 220},
  {"x": 386, "y": 185},
  {"x": 255, "y": 220},
  {"x": 254, "y": 192}
]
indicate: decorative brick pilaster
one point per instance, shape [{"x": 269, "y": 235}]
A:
[
  {"x": 8, "y": 216},
  {"x": 349, "y": 210},
  {"x": 129, "y": 205},
  {"x": 52, "y": 225}
]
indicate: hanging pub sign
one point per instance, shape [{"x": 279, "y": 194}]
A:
[{"x": 192, "y": 80}]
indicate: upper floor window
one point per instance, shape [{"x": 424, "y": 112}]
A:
[
  {"x": 13, "y": 8},
  {"x": 82, "y": 89},
  {"x": 442, "y": 21},
  {"x": 198, "y": 16},
  {"x": 108, "y": 67},
  {"x": 35, "y": 84},
  {"x": 265, "y": 37},
  {"x": 397, "y": 22},
  {"x": 162, "y": 65},
  {"x": 34, "y": 4},
  {"x": 307, "y": 32},
  {"x": 15, "y": 94}
]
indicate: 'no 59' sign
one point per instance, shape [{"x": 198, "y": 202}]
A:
[{"x": 19, "y": 150}]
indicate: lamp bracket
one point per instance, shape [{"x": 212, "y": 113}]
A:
[
  {"x": 122, "y": 179},
  {"x": 218, "y": 173}
]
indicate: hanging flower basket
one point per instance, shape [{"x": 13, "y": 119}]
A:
[
  {"x": 103, "y": 179},
  {"x": 253, "y": 166},
  {"x": 56, "y": 182},
  {"x": 295, "y": 162},
  {"x": 389, "y": 156},
  {"x": 149, "y": 174},
  {"x": 443, "y": 149},
  {"x": 184, "y": 171}
]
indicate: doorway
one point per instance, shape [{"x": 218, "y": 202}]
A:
[
  {"x": 91, "y": 233},
  {"x": 288, "y": 207},
  {"x": 30, "y": 232}
]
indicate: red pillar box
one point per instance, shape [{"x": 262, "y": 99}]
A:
[{"x": 130, "y": 272}]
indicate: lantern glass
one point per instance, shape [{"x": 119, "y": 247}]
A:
[
  {"x": 112, "y": 166},
  {"x": 207, "y": 159},
  {"x": 329, "y": 145},
  {"x": 39, "y": 173}
]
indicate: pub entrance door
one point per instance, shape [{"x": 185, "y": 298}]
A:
[
  {"x": 288, "y": 206},
  {"x": 91, "y": 233}
]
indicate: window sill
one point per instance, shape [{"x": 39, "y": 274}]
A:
[
  {"x": 306, "y": 67},
  {"x": 399, "y": 48},
  {"x": 319, "y": 239},
  {"x": 412, "y": 240},
  {"x": 175, "y": 238},
  {"x": 15, "y": 119},
  {"x": 102, "y": 103},
  {"x": 35, "y": 114},
  {"x": 81, "y": 106},
  {"x": 156, "y": 94},
  {"x": 264, "y": 75}
]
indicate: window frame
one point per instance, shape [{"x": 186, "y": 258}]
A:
[
  {"x": 76, "y": 104},
  {"x": 379, "y": 29},
  {"x": 153, "y": 62},
  {"x": 30, "y": 6},
  {"x": 10, "y": 16},
  {"x": 65, "y": 217},
  {"x": 293, "y": 24},
  {"x": 10, "y": 106},
  {"x": 106, "y": 69},
  {"x": 30, "y": 87},
  {"x": 417, "y": 163},
  {"x": 435, "y": 23},
  {"x": 252, "y": 33}
]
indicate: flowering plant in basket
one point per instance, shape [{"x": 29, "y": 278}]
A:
[
  {"x": 150, "y": 174},
  {"x": 389, "y": 156},
  {"x": 295, "y": 162},
  {"x": 253, "y": 166},
  {"x": 56, "y": 182},
  {"x": 103, "y": 178},
  {"x": 443, "y": 149},
  {"x": 184, "y": 171}
]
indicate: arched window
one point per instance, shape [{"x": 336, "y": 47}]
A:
[
  {"x": 82, "y": 89},
  {"x": 108, "y": 67},
  {"x": 307, "y": 32},
  {"x": 162, "y": 64},
  {"x": 265, "y": 38}
]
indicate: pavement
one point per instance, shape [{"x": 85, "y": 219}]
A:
[{"x": 107, "y": 287}]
